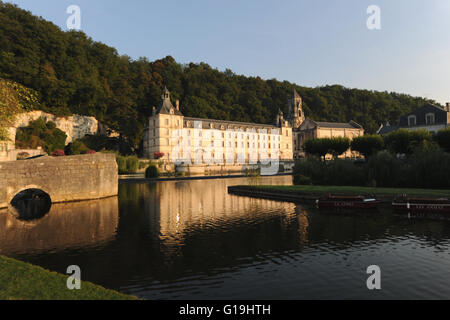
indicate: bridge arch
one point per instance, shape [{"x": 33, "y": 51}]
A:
[
  {"x": 30, "y": 204},
  {"x": 16, "y": 192}
]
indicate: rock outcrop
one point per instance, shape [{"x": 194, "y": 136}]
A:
[{"x": 74, "y": 126}]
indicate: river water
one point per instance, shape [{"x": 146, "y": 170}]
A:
[{"x": 191, "y": 240}]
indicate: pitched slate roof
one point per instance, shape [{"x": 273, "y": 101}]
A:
[
  {"x": 166, "y": 105},
  {"x": 217, "y": 124},
  {"x": 387, "y": 129},
  {"x": 339, "y": 125}
]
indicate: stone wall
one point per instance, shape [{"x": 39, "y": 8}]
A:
[{"x": 65, "y": 179}]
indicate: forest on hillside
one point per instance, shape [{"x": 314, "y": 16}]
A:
[{"x": 71, "y": 73}]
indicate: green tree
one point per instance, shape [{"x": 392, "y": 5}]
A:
[
  {"x": 367, "y": 145},
  {"x": 337, "y": 145},
  {"x": 443, "y": 139},
  {"x": 317, "y": 147},
  {"x": 405, "y": 141},
  {"x": 41, "y": 134}
]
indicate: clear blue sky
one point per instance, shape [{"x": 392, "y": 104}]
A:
[{"x": 309, "y": 42}]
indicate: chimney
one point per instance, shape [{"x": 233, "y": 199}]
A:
[
  {"x": 447, "y": 107},
  {"x": 177, "y": 103}
]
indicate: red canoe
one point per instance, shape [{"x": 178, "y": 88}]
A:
[{"x": 347, "y": 202}]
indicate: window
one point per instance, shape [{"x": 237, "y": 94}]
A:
[
  {"x": 412, "y": 121},
  {"x": 429, "y": 119},
  {"x": 167, "y": 122}
]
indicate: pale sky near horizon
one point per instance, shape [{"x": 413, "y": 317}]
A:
[{"x": 309, "y": 42}]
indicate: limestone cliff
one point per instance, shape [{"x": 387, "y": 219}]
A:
[{"x": 74, "y": 126}]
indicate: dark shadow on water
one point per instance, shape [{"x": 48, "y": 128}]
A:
[{"x": 31, "y": 204}]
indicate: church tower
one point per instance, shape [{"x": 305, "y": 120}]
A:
[{"x": 296, "y": 115}]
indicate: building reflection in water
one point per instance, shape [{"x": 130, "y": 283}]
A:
[
  {"x": 68, "y": 225},
  {"x": 179, "y": 211}
]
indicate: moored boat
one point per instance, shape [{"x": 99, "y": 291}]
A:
[
  {"x": 347, "y": 202},
  {"x": 408, "y": 204}
]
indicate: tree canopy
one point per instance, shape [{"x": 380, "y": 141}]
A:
[
  {"x": 367, "y": 144},
  {"x": 14, "y": 99},
  {"x": 74, "y": 74}
]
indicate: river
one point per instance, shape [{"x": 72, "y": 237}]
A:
[{"x": 192, "y": 240}]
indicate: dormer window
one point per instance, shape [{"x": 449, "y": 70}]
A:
[
  {"x": 412, "y": 121},
  {"x": 429, "y": 119}
]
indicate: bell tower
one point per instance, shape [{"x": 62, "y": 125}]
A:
[{"x": 296, "y": 115}]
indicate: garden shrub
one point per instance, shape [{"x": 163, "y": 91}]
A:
[
  {"x": 152, "y": 171},
  {"x": 127, "y": 165}
]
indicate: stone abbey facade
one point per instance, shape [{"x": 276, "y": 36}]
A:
[
  {"x": 172, "y": 137},
  {"x": 204, "y": 141}
]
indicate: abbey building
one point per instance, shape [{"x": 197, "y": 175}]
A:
[{"x": 172, "y": 137}]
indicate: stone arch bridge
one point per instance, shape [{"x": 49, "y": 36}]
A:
[{"x": 64, "y": 179}]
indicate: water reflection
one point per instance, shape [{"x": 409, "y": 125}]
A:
[
  {"x": 192, "y": 240},
  {"x": 69, "y": 225}
]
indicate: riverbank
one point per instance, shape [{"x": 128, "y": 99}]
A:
[
  {"x": 311, "y": 193},
  {"x": 24, "y": 281}
]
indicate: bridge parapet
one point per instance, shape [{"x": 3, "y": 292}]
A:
[{"x": 64, "y": 179}]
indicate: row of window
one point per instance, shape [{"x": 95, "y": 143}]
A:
[
  {"x": 429, "y": 120},
  {"x": 230, "y": 135},
  {"x": 222, "y": 144},
  {"x": 211, "y": 126}
]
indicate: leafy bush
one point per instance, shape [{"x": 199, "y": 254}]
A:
[
  {"x": 311, "y": 168},
  {"x": 443, "y": 139},
  {"x": 300, "y": 179},
  {"x": 338, "y": 146},
  {"x": 336, "y": 172},
  {"x": 127, "y": 165},
  {"x": 41, "y": 134},
  {"x": 384, "y": 170},
  {"x": 76, "y": 147},
  {"x": 367, "y": 145},
  {"x": 341, "y": 172},
  {"x": 323, "y": 146},
  {"x": 405, "y": 141},
  {"x": 429, "y": 168},
  {"x": 152, "y": 171}
]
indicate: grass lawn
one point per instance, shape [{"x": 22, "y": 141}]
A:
[
  {"x": 23, "y": 281},
  {"x": 359, "y": 190}
]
